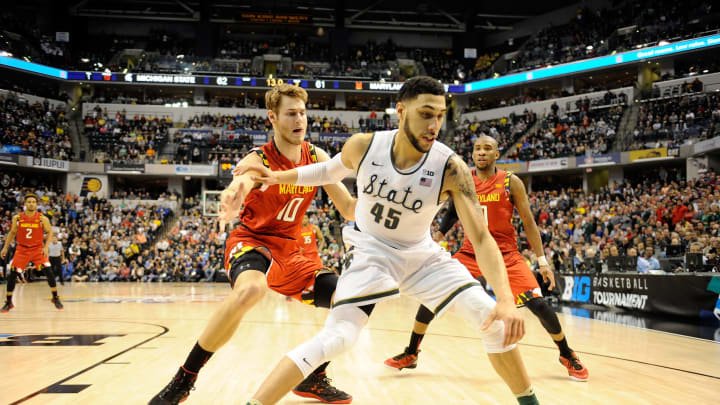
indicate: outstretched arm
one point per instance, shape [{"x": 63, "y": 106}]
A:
[
  {"x": 233, "y": 197},
  {"x": 520, "y": 199},
  {"x": 338, "y": 193},
  {"x": 319, "y": 174},
  {"x": 10, "y": 236}
]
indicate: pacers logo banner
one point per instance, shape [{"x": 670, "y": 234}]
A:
[
  {"x": 85, "y": 186},
  {"x": 90, "y": 185}
]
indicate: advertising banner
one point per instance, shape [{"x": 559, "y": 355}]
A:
[
  {"x": 8, "y": 159},
  {"x": 258, "y": 137},
  {"x": 52, "y": 164},
  {"x": 598, "y": 160},
  {"x": 683, "y": 295},
  {"x": 514, "y": 166},
  {"x": 548, "y": 164},
  {"x": 648, "y": 154},
  {"x": 328, "y": 137},
  {"x": 85, "y": 186},
  {"x": 120, "y": 166}
]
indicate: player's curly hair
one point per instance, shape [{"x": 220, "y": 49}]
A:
[
  {"x": 32, "y": 195},
  {"x": 420, "y": 85},
  {"x": 274, "y": 95}
]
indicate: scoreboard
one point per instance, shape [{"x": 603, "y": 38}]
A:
[{"x": 237, "y": 81}]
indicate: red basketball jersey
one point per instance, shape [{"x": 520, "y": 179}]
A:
[
  {"x": 308, "y": 241},
  {"x": 30, "y": 232},
  {"x": 494, "y": 196},
  {"x": 278, "y": 210}
]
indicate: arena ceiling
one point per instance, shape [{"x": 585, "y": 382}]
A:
[{"x": 408, "y": 15}]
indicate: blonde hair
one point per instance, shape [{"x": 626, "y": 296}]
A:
[{"x": 274, "y": 95}]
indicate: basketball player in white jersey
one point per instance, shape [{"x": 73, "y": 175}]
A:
[{"x": 403, "y": 178}]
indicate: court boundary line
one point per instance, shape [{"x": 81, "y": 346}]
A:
[
  {"x": 521, "y": 344},
  {"x": 577, "y": 351},
  {"x": 101, "y": 362}
]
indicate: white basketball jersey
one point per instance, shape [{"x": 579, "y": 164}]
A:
[{"x": 397, "y": 207}]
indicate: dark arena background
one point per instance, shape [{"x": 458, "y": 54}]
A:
[{"x": 126, "y": 119}]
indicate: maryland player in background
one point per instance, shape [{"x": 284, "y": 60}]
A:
[
  {"x": 311, "y": 240},
  {"x": 34, "y": 233},
  {"x": 263, "y": 252},
  {"x": 499, "y": 194}
]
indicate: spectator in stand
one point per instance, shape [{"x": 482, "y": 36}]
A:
[{"x": 647, "y": 261}]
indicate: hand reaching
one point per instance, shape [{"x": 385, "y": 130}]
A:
[{"x": 510, "y": 316}]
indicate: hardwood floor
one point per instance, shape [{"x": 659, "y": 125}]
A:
[{"x": 121, "y": 343}]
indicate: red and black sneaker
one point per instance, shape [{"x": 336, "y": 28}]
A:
[
  {"x": 403, "y": 360},
  {"x": 318, "y": 386},
  {"x": 177, "y": 390},
  {"x": 57, "y": 303},
  {"x": 7, "y": 307},
  {"x": 576, "y": 370}
]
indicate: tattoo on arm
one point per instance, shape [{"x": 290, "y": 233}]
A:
[{"x": 460, "y": 176}]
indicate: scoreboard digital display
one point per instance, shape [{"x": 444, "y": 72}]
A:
[
  {"x": 235, "y": 81},
  {"x": 271, "y": 18}
]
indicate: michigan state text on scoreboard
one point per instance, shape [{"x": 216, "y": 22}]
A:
[{"x": 690, "y": 295}]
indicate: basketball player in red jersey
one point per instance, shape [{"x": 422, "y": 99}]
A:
[
  {"x": 263, "y": 252},
  {"x": 34, "y": 233},
  {"x": 311, "y": 240},
  {"x": 499, "y": 193}
]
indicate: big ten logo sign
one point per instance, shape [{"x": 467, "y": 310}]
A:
[{"x": 577, "y": 289}]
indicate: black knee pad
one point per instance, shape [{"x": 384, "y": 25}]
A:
[
  {"x": 50, "y": 274},
  {"x": 251, "y": 260},
  {"x": 324, "y": 288},
  {"x": 548, "y": 318},
  {"x": 424, "y": 315}
]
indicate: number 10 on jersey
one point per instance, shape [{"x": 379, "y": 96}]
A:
[{"x": 290, "y": 210}]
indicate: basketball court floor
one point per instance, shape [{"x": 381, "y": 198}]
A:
[{"x": 120, "y": 343}]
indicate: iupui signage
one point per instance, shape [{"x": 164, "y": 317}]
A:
[{"x": 52, "y": 164}]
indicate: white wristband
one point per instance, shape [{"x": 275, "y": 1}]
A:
[
  {"x": 542, "y": 260},
  {"x": 320, "y": 174}
]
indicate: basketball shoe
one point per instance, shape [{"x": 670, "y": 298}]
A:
[
  {"x": 7, "y": 307},
  {"x": 576, "y": 370},
  {"x": 177, "y": 390},
  {"x": 318, "y": 386},
  {"x": 57, "y": 303},
  {"x": 403, "y": 360}
]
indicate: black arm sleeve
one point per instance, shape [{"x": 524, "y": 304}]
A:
[{"x": 449, "y": 219}]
